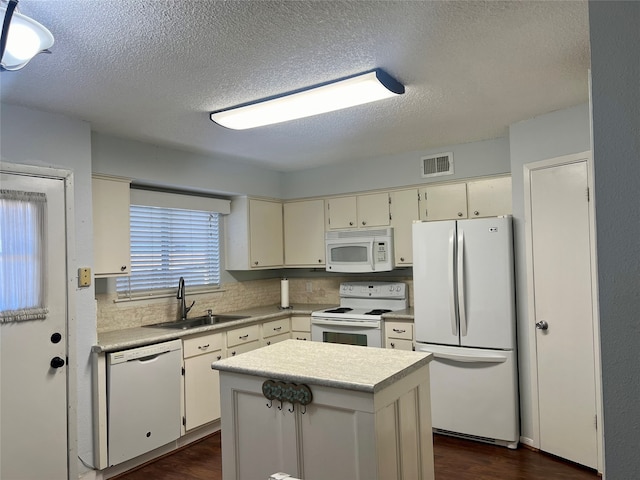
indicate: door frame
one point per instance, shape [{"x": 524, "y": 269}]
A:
[
  {"x": 533, "y": 359},
  {"x": 65, "y": 176}
]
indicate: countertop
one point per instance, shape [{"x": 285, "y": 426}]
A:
[
  {"x": 317, "y": 363},
  {"x": 138, "y": 336}
]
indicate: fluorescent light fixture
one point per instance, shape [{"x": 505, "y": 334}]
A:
[
  {"x": 22, "y": 38},
  {"x": 348, "y": 92}
]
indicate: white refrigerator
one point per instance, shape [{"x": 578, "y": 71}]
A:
[{"x": 464, "y": 304}]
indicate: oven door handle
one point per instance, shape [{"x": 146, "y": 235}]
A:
[{"x": 344, "y": 323}]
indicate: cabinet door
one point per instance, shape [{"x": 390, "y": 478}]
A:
[
  {"x": 341, "y": 212},
  {"x": 304, "y": 233},
  {"x": 201, "y": 390},
  {"x": 443, "y": 202},
  {"x": 404, "y": 210},
  {"x": 265, "y": 233},
  {"x": 111, "y": 237},
  {"x": 489, "y": 197},
  {"x": 373, "y": 210}
]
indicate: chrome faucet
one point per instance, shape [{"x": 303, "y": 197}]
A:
[{"x": 181, "y": 296}]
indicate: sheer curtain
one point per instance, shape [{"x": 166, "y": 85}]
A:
[{"x": 23, "y": 217}]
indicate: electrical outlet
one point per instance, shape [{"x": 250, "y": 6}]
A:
[
  {"x": 84, "y": 277},
  {"x": 309, "y": 287}
]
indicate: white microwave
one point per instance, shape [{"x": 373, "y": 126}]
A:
[{"x": 359, "y": 251}]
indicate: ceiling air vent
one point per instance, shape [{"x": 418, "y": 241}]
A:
[{"x": 438, "y": 164}]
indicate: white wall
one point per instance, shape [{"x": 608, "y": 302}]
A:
[
  {"x": 547, "y": 136},
  {"x": 37, "y": 138},
  {"x": 489, "y": 157},
  {"x": 615, "y": 73},
  {"x": 181, "y": 169}
]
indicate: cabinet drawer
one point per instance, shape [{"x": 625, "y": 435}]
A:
[
  {"x": 245, "y": 347},
  {"x": 399, "y": 344},
  {"x": 399, "y": 330},
  {"x": 243, "y": 335},
  {"x": 276, "y": 327},
  {"x": 301, "y": 324},
  {"x": 301, "y": 336},
  {"x": 199, "y": 344},
  {"x": 277, "y": 338}
]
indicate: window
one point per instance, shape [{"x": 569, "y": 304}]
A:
[
  {"x": 169, "y": 243},
  {"x": 22, "y": 255}
]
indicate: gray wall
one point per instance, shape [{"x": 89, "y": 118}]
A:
[
  {"x": 489, "y": 157},
  {"x": 615, "y": 69},
  {"x": 547, "y": 136},
  {"x": 33, "y": 137},
  {"x": 176, "y": 168}
]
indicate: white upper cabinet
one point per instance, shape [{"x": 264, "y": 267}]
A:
[
  {"x": 304, "y": 233},
  {"x": 254, "y": 234},
  {"x": 358, "y": 211},
  {"x": 443, "y": 202},
  {"x": 404, "y": 210},
  {"x": 489, "y": 197},
  {"x": 111, "y": 229}
]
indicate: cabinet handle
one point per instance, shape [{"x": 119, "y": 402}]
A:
[
  {"x": 233, "y": 353},
  {"x": 402, "y": 259},
  {"x": 399, "y": 330},
  {"x": 203, "y": 347},
  {"x": 243, "y": 337},
  {"x": 219, "y": 357},
  {"x": 319, "y": 260},
  {"x": 364, "y": 223},
  {"x": 350, "y": 223},
  {"x": 276, "y": 329},
  {"x": 268, "y": 342},
  {"x": 459, "y": 214},
  {"x": 123, "y": 268},
  {"x": 300, "y": 338},
  {"x": 476, "y": 213},
  {"x": 255, "y": 263},
  {"x": 393, "y": 345}
]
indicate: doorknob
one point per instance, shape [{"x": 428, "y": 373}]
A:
[
  {"x": 57, "y": 362},
  {"x": 542, "y": 325}
]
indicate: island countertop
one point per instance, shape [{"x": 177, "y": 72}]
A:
[{"x": 348, "y": 367}]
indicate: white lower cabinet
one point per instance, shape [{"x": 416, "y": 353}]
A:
[
  {"x": 341, "y": 435},
  {"x": 398, "y": 335},
  {"x": 276, "y": 331},
  {"x": 243, "y": 339},
  {"x": 201, "y": 382},
  {"x": 301, "y": 328}
]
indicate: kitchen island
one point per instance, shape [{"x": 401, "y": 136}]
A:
[{"x": 326, "y": 411}]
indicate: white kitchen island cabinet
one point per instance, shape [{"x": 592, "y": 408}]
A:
[{"x": 369, "y": 416}]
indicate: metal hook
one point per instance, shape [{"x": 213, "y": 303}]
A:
[
  {"x": 280, "y": 406},
  {"x": 270, "y": 404},
  {"x": 303, "y": 411},
  {"x": 292, "y": 409}
]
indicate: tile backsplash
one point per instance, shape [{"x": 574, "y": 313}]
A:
[{"x": 235, "y": 296}]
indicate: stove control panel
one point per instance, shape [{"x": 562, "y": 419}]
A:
[{"x": 395, "y": 290}]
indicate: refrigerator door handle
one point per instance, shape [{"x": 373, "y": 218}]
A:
[
  {"x": 460, "y": 266},
  {"x": 471, "y": 358},
  {"x": 452, "y": 289}
]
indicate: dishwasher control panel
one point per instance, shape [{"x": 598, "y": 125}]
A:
[{"x": 142, "y": 352}]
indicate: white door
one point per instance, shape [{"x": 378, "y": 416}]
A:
[
  {"x": 560, "y": 241},
  {"x": 33, "y": 403}
]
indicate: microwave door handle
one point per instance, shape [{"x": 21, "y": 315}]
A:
[{"x": 371, "y": 255}]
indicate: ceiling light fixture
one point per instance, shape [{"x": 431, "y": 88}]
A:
[
  {"x": 22, "y": 38},
  {"x": 328, "y": 97}
]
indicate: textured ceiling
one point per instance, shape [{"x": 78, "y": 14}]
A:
[{"x": 152, "y": 70}]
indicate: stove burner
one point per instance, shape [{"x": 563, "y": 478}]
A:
[
  {"x": 377, "y": 311},
  {"x": 339, "y": 310}
]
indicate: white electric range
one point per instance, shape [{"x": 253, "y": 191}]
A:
[{"x": 358, "y": 318}]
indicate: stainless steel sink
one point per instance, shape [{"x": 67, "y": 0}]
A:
[{"x": 198, "y": 321}]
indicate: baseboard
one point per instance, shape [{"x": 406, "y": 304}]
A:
[{"x": 528, "y": 443}]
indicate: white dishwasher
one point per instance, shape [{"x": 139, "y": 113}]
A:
[{"x": 143, "y": 391}]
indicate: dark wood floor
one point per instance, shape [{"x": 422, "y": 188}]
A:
[{"x": 455, "y": 459}]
